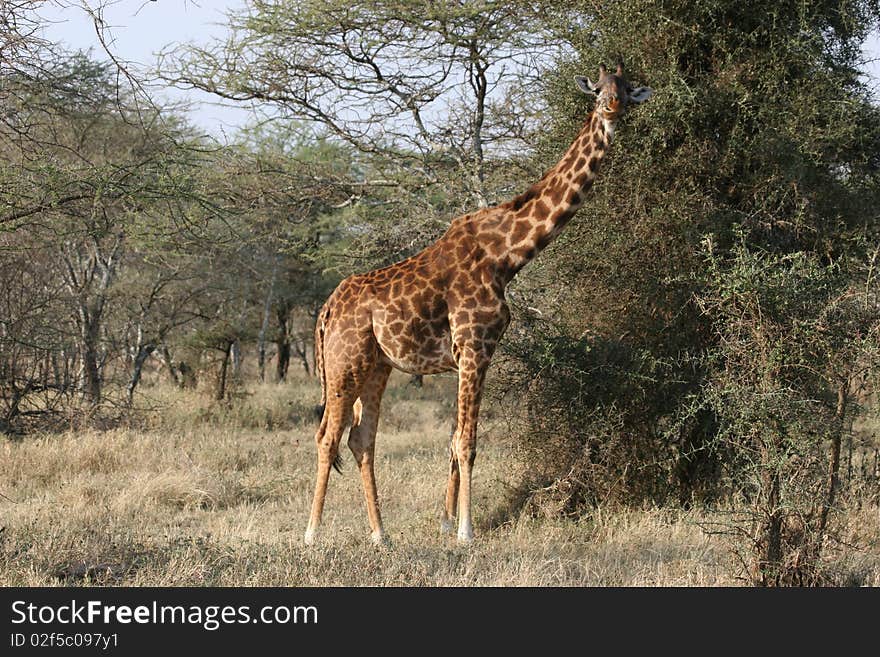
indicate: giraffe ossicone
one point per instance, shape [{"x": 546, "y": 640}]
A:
[{"x": 443, "y": 309}]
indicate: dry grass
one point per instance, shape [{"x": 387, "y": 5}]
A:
[{"x": 206, "y": 495}]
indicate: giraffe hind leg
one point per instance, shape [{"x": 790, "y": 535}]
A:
[
  {"x": 319, "y": 436},
  {"x": 355, "y": 420},
  {"x": 337, "y": 417},
  {"x": 362, "y": 442},
  {"x": 345, "y": 374}
]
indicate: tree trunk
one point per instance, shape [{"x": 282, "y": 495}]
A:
[
  {"x": 834, "y": 462},
  {"x": 172, "y": 371},
  {"x": 767, "y": 562},
  {"x": 477, "y": 67},
  {"x": 89, "y": 273},
  {"x": 143, "y": 352},
  {"x": 69, "y": 364},
  {"x": 235, "y": 358},
  {"x": 56, "y": 371},
  {"x": 264, "y": 326},
  {"x": 313, "y": 314},
  {"x": 261, "y": 349},
  {"x": 220, "y": 391},
  {"x": 45, "y": 368},
  {"x": 283, "y": 362},
  {"x": 88, "y": 349},
  {"x": 301, "y": 349},
  {"x": 282, "y": 343}
]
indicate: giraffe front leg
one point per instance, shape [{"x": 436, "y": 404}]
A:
[
  {"x": 466, "y": 452},
  {"x": 447, "y": 521},
  {"x": 450, "y": 506},
  {"x": 472, "y": 370}
]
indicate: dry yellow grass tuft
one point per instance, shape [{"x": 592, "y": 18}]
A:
[{"x": 209, "y": 495}]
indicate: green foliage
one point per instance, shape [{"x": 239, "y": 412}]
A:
[
  {"x": 431, "y": 97},
  {"x": 86, "y": 171},
  {"x": 795, "y": 341},
  {"x": 668, "y": 368},
  {"x": 149, "y": 239}
]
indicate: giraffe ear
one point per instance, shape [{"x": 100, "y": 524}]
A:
[
  {"x": 639, "y": 95},
  {"x": 586, "y": 85}
]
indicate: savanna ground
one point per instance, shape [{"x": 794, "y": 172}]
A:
[{"x": 205, "y": 494}]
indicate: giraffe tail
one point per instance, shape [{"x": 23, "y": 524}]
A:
[{"x": 320, "y": 327}]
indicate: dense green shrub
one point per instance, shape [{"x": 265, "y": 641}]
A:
[{"x": 695, "y": 331}]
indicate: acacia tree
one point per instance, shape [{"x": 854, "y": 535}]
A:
[
  {"x": 302, "y": 182},
  {"x": 85, "y": 167},
  {"x": 426, "y": 93},
  {"x": 252, "y": 253},
  {"x": 760, "y": 146},
  {"x": 38, "y": 84},
  {"x": 795, "y": 340},
  {"x": 35, "y": 354},
  {"x": 158, "y": 296},
  {"x": 146, "y": 233},
  {"x": 110, "y": 169}
]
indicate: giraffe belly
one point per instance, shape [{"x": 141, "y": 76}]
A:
[{"x": 415, "y": 346}]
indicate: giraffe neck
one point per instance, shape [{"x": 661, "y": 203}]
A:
[{"x": 539, "y": 214}]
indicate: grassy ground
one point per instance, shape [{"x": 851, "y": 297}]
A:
[{"x": 214, "y": 496}]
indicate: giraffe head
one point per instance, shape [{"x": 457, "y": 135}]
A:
[{"x": 614, "y": 93}]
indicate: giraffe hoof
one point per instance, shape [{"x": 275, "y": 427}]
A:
[
  {"x": 465, "y": 538},
  {"x": 309, "y": 537},
  {"x": 378, "y": 537},
  {"x": 447, "y": 526}
]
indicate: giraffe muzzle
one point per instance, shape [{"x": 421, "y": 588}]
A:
[{"x": 613, "y": 109}]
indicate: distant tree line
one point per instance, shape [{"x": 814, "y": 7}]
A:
[{"x": 127, "y": 237}]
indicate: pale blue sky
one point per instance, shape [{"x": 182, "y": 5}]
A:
[{"x": 141, "y": 28}]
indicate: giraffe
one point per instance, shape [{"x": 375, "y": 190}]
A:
[{"x": 443, "y": 309}]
